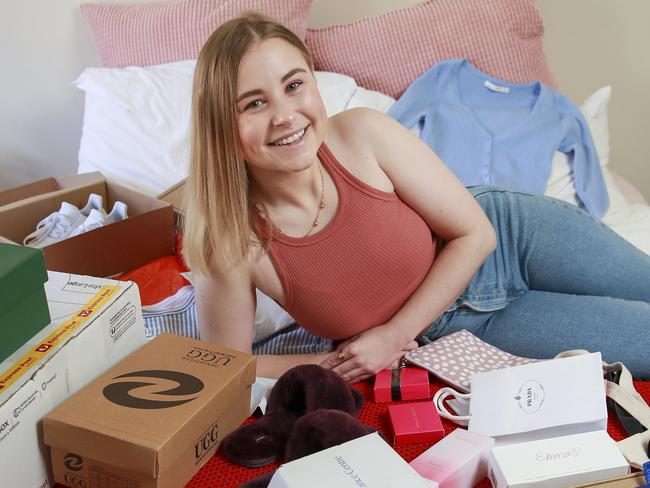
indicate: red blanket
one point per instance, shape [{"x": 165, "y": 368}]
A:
[{"x": 220, "y": 473}]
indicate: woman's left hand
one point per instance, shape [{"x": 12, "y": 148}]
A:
[{"x": 368, "y": 353}]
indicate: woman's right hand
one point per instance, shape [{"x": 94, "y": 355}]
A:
[{"x": 342, "y": 363}]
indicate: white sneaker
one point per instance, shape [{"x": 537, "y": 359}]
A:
[
  {"x": 117, "y": 213},
  {"x": 95, "y": 201},
  {"x": 94, "y": 220},
  {"x": 56, "y": 226},
  {"x": 59, "y": 225}
]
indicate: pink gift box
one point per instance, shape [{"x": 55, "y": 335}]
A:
[
  {"x": 415, "y": 422},
  {"x": 402, "y": 384},
  {"x": 460, "y": 460}
]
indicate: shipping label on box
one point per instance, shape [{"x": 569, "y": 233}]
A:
[
  {"x": 365, "y": 462},
  {"x": 556, "y": 462},
  {"x": 95, "y": 324},
  {"x": 155, "y": 418}
]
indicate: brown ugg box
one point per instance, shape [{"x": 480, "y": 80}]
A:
[{"x": 152, "y": 420}]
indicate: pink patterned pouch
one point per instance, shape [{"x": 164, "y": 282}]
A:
[{"x": 456, "y": 357}]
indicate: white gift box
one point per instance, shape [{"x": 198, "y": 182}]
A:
[
  {"x": 556, "y": 462},
  {"x": 458, "y": 461},
  {"x": 366, "y": 462}
]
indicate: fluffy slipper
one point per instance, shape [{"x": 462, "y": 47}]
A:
[
  {"x": 309, "y": 387},
  {"x": 322, "y": 429},
  {"x": 299, "y": 391},
  {"x": 314, "y": 432},
  {"x": 260, "y": 443},
  {"x": 259, "y": 482}
]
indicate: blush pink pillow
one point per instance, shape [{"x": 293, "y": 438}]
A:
[
  {"x": 164, "y": 32},
  {"x": 503, "y": 38}
]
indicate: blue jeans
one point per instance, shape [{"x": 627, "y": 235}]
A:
[{"x": 559, "y": 279}]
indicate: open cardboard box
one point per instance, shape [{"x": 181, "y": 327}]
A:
[{"x": 146, "y": 235}]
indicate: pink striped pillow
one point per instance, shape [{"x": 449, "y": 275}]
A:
[
  {"x": 388, "y": 52},
  {"x": 164, "y": 32}
]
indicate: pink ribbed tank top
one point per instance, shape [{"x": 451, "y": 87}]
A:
[{"x": 358, "y": 271}]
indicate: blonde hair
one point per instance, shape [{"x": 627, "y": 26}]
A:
[{"x": 216, "y": 203}]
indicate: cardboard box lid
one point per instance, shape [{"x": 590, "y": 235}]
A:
[
  {"x": 45, "y": 188},
  {"x": 21, "y": 269},
  {"x": 174, "y": 195},
  {"x": 634, "y": 480},
  {"x": 142, "y": 413},
  {"x": 28, "y": 190}
]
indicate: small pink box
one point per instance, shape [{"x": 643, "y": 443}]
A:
[
  {"x": 402, "y": 384},
  {"x": 460, "y": 460},
  {"x": 415, "y": 422}
]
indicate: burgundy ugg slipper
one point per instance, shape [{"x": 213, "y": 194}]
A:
[
  {"x": 322, "y": 429},
  {"x": 261, "y": 481},
  {"x": 300, "y": 390},
  {"x": 314, "y": 432}
]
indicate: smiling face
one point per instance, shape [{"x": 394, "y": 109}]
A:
[{"x": 280, "y": 115}]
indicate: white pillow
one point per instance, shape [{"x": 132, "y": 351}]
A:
[
  {"x": 136, "y": 121},
  {"x": 369, "y": 98},
  {"x": 336, "y": 90},
  {"x": 560, "y": 183},
  {"x": 136, "y": 124}
]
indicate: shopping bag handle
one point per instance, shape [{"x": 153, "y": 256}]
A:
[{"x": 439, "y": 401}]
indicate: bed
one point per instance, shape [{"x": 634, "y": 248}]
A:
[{"x": 136, "y": 116}]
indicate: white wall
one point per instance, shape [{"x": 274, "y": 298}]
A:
[
  {"x": 45, "y": 44},
  {"x": 593, "y": 43}
]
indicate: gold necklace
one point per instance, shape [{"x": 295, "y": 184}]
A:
[{"x": 262, "y": 208}]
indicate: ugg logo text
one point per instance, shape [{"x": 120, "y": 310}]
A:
[
  {"x": 70, "y": 479},
  {"x": 206, "y": 357},
  {"x": 206, "y": 442}
]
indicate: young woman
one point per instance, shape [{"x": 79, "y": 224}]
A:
[{"x": 361, "y": 233}]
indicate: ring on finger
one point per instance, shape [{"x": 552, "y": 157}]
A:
[{"x": 340, "y": 356}]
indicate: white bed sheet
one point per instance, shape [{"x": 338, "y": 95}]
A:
[{"x": 632, "y": 222}]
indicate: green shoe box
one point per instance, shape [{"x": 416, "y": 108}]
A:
[{"x": 23, "y": 306}]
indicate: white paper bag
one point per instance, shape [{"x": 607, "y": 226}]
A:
[{"x": 539, "y": 400}]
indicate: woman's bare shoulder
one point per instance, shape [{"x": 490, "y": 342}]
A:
[
  {"x": 351, "y": 136},
  {"x": 361, "y": 128},
  {"x": 354, "y": 120}
]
